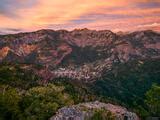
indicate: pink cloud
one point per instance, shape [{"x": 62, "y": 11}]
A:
[{"x": 116, "y": 15}]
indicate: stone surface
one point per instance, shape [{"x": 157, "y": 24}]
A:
[{"x": 78, "y": 112}]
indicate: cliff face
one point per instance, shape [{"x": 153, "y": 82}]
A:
[
  {"x": 85, "y": 111},
  {"x": 78, "y": 54}
]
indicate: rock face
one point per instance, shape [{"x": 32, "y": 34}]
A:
[
  {"x": 80, "y": 54},
  {"x": 86, "y": 110}
]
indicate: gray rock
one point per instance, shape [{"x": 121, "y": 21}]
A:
[{"x": 78, "y": 112}]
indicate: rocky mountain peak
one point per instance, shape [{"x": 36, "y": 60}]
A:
[{"x": 83, "y": 48}]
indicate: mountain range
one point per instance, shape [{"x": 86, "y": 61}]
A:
[
  {"x": 79, "y": 54},
  {"x": 119, "y": 67}
]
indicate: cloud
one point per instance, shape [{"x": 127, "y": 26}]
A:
[
  {"x": 10, "y": 7},
  {"x": 148, "y": 5},
  {"x": 9, "y": 30},
  {"x": 69, "y": 14},
  {"x": 13, "y": 29},
  {"x": 2, "y": 33},
  {"x": 149, "y": 25}
]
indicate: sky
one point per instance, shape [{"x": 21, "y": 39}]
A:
[{"x": 116, "y": 15}]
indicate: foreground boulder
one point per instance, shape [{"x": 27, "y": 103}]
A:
[{"x": 94, "y": 110}]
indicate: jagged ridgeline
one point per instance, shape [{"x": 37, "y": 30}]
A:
[{"x": 45, "y": 70}]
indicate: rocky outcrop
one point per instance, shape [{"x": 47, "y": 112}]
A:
[
  {"x": 85, "y": 111},
  {"x": 4, "y": 52}
]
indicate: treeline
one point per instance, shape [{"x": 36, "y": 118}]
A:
[
  {"x": 134, "y": 84},
  {"x": 23, "y": 98}
]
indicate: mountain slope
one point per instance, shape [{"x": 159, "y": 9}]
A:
[
  {"x": 120, "y": 67},
  {"x": 83, "y": 49}
]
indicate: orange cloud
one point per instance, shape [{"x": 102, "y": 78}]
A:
[{"x": 95, "y": 14}]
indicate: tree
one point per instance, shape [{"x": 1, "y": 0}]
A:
[
  {"x": 43, "y": 101},
  {"x": 153, "y": 100},
  {"x": 9, "y": 103}
]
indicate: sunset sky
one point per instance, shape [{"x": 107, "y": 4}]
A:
[{"x": 115, "y": 15}]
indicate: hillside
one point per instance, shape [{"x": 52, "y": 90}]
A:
[{"x": 93, "y": 65}]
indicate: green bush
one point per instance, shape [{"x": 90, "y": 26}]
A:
[
  {"x": 153, "y": 100},
  {"x": 37, "y": 103},
  {"x": 43, "y": 101},
  {"x": 102, "y": 115},
  {"x": 9, "y": 103}
]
